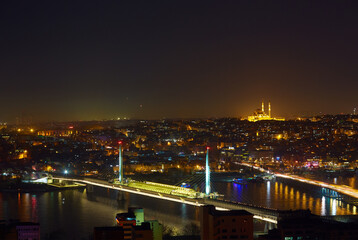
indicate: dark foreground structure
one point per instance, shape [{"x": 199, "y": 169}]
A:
[
  {"x": 234, "y": 224},
  {"x": 16, "y": 230},
  {"x": 301, "y": 224}
]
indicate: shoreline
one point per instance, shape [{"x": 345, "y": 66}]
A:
[{"x": 34, "y": 188}]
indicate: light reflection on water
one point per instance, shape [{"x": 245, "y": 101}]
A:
[
  {"x": 341, "y": 180},
  {"x": 268, "y": 192},
  {"x": 284, "y": 196},
  {"x": 74, "y": 213},
  {"x": 333, "y": 203},
  {"x": 323, "y": 206}
]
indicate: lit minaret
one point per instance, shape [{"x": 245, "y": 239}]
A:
[
  {"x": 263, "y": 106},
  {"x": 269, "y": 108},
  {"x": 120, "y": 164},
  {"x": 207, "y": 173}
]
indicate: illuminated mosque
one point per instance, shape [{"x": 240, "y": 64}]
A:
[{"x": 260, "y": 114}]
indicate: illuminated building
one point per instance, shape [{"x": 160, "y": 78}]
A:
[
  {"x": 19, "y": 230},
  {"x": 234, "y": 224},
  {"x": 143, "y": 232},
  {"x": 3, "y": 125},
  {"x": 108, "y": 233},
  {"x": 55, "y": 133},
  {"x": 134, "y": 227},
  {"x": 126, "y": 221},
  {"x": 260, "y": 114},
  {"x": 301, "y": 224},
  {"x": 157, "y": 229},
  {"x": 28, "y": 231}
]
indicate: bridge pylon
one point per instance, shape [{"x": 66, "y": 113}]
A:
[
  {"x": 120, "y": 162},
  {"x": 207, "y": 173}
]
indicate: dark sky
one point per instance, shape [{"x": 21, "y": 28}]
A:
[{"x": 85, "y": 60}]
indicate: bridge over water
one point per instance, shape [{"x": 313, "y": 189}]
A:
[
  {"x": 342, "y": 192},
  {"x": 175, "y": 194},
  {"x": 262, "y": 213},
  {"x": 191, "y": 197}
]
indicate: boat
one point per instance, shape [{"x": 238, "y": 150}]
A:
[
  {"x": 256, "y": 179},
  {"x": 239, "y": 180}
]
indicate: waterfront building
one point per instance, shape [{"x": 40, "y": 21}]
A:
[
  {"x": 28, "y": 230},
  {"x": 108, "y": 233},
  {"x": 184, "y": 237},
  {"x": 126, "y": 221},
  {"x": 134, "y": 226},
  {"x": 19, "y": 230},
  {"x": 143, "y": 232},
  {"x": 301, "y": 224},
  {"x": 234, "y": 224},
  {"x": 138, "y": 213},
  {"x": 157, "y": 229}
]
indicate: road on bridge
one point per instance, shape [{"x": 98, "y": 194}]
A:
[
  {"x": 265, "y": 214},
  {"x": 343, "y": 189}
]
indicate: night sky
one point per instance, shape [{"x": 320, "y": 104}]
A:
[{"x": 87, "y": 60}]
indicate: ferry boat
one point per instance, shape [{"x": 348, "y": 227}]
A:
[{"x": 239, "y": 181}]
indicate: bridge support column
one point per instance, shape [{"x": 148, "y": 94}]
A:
[
  {"x": 326, "y": 192},
  {"x": 269, "y": 226},
  {"x": 121, "y": 196},
  {"x": 89, "y": 188}
]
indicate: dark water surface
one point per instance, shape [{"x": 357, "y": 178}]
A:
[{"x": 72, "y": 214}]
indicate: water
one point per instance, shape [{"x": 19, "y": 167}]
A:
[
  {"x": 72, "y": 214},
  {"x": 283, "y": 196}
]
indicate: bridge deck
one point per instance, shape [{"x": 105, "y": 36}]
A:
[
  {"x": 266, "y": 214},
  {"x": 342, "y": 189}
]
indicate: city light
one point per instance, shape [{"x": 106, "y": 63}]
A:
[
  {"x": 239, "y": 106},
  {"x": 192, "y": 202}
]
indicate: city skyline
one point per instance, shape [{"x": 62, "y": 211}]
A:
[
  {"x": 255, "y": 115},
  {"x": 94, "y": 61}
]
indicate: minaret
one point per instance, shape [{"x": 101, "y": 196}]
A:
[
  {"x": 207, "y": 173},
  {"x": 120, "y": 164},
  {"x": 269, "y": 109},
  {"x": 263, "y": 106}
]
